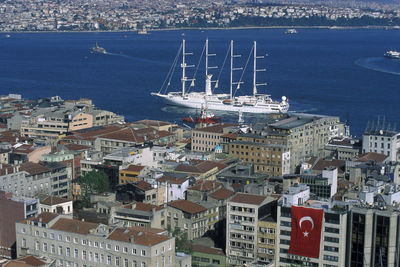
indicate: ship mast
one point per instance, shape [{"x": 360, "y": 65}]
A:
[
  {"x": 208, "y": 76},
  {"x": 184, "y": 66},
  {"x": 255, "y": 70},
  {"x": 232, "y": 69}
]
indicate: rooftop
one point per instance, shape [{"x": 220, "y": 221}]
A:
[
  {"x": 248, "y": 199},
  {"x": 186, "y": 206},
  {"x": 74, "y": 226},
  {"x": 141, "y": 235}
]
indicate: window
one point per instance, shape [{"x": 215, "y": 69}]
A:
[
  {"x": 84, "y": 255},
  {"x": 125, "y": 262},
  {"x": 108, "y": 246},
  {"x": 84, "y": 242},
  {"x": 101, "y": 258},
  {"x": 37, "y": 245},
  {"x": 68, "y": 252},
  {"x": 59, "y": 237},
  {"x": 45, "y": 234},
  {"x": 331, "y": 239},
  {"x": 23, "y": 230},
  {"x": 96, "y": 244},
  {"x": 332, "y": 249},
  {"x": 143, "y": 264},
  {"x": 125, "y": 250},
  {"x": 332, "y": 230},
  {"x": 36, "y": 233},
  {"x": 117, "y": 261},
  {"x": 331, "y": 258},
  {"x": 134, "y": 251},
  {"x": 143, "y": 252},
  {"x": 45, "y": 247},
  {"x": 52, "y": 249},
  {"x": 23, "y": 243},
  {"x": 116, "y": 248},
  {"x": 90, "y": 256},
  {"x": 68, "y": 239},
  {"x": 134, "y": 263},
  {"x": 109, "y": 260},
  {"x": 52, "y": 235},
  {"x": 75, "y": 240},
  {"x": 76, "y": 253},
  {"x": 59, "y": 250}
]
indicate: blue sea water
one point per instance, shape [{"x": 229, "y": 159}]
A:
[{"x": 321, "y": 71}]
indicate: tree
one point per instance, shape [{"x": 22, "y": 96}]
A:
[
  {"x": 181, "y": 241},
  {"x": 92, "y": 183}
]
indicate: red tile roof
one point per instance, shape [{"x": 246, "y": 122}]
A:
[
  {"x": 142, "y": 236},
  {"x": 372, "y": 156},
  {"x": 74, "y": 226},
  {"x": 134, "y": 168},
  {"x": 143, "y": 206},
  {"x": 205, "y": 185},
  {"x": 222, "y": 194},
  {"x": 143, "y": 185},
  {"x": 172, "y": 179},
  {"x": 44, "y": 217},
  {"x": 319, "y": 164},
  {"x": 186, "y": 206},
  {"x": 248, "y": 199},
  {"x": 33, "y": 168},
  {"x": 215, "y": 128},
  {"x": 50, "y": 200}
]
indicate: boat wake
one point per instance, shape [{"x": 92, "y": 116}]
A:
[{"x": 391, "y": 66}]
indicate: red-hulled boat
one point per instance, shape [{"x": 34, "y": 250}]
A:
[{"x": 205, "y": 117}]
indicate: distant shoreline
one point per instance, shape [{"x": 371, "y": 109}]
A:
[{"x": 219, "y": 28}]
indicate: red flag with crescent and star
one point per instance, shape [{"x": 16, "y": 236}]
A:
[{"x": 306, "y": 231}]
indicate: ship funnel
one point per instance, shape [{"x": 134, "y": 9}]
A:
[{"x": 208, "y": 84}]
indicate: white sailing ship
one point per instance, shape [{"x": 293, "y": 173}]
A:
[{"x": 256, "y": 103}]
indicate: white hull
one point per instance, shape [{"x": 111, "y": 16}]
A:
[{"x": 260, "y": 104}]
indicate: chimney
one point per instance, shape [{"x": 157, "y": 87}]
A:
[{"x": 132, "y": 239}]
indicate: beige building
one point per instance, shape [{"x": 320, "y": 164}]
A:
[
  {"x": 266, "y": 247},
  {"x": 192, "y": 218},
  {"x": 207, "y": 138},
  {"x": 78, "y": 243},
  {"x": 242, "y": 223},
  {"x": 58, "y": 120}
]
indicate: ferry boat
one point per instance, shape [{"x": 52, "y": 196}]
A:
[
  {"x": 142, "y": 31},
  {"x": 392, "y": 54},
  {"x": 98, "y": 50},
  {"x": 255, "y": 103},
  {"x": 290, "y": 31}
]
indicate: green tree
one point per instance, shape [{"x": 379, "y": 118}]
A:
[
  {"x": 181, "y": 241},
  {"x": 92, "y": 183}
]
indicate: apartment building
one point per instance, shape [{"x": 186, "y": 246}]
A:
[
  {"x": 190, "y": 217},
  {"x": 130, "y": 174},
  {"x": 322, "y": 228},
  {"x": 56, "y": 205},
  {"x": 270, "y": 154},
  {"x": 242, "y": 223},
  {"x": 207, "y": 138},
  {"x": 13, "y": 209},
  {"x": 30, "y": 179},
  {"x": 78, "y": 243},
  {"x": 138, "y": 214},
  {"x": 58, "y": 120},
  {"x": 382, "y": 141},
  {"x": 266, "y": 242},
  {"x": 287, "y": 142},
  {"x": 372, "y": 237}
]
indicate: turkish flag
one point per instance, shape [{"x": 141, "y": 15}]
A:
[{"x": 306, "y": 231}]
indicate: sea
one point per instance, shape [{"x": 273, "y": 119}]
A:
[{"x": 338, "y": 72}]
